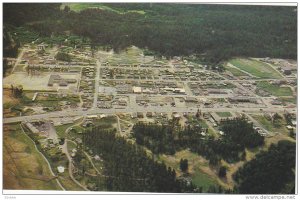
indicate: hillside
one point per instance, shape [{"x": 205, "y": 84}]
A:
[{"x": 216, "y": 32}]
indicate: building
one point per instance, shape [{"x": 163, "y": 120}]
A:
[
  {"x": 137, "y": 90},
  {"x": 61, "y": 169},
  {"x": 60, "y": 81},
  {"x": 287, "y": 70},
  {"x": 242, "y": 99},
  {"x": 219, "y": 119},
  {"x": 32, "y": 128},
  {"x": 149, "y": 114},
  {"x": 191, "y": 99},
  {"x": 140, "y": 115}
]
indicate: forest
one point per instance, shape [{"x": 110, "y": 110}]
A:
[
  {"x": 238, "y": 135},
  {"x": 271, "y": 172},
  {"x": 213, "y": 33},
  {"x": 129, "y": 168}
]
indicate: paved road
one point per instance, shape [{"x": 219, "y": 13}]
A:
[
  {"x": 97, "y": 79},
  {"x": 158, "y": 109},
  {"x": 18, "y": 59}
]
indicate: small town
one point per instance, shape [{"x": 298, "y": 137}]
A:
[{"x": 76, "y": 111}]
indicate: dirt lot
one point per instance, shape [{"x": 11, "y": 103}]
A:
[{"x": 34, "y": 82}]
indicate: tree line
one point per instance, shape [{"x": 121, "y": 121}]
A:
[
  {"x": 213, "y": 33},
  {"x": 129, "y": 168},
  {"x": 270, "y": 172},
  {"x": 238, "y": 135}
]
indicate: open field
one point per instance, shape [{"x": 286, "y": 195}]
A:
[
  {"x": 196, "y": 163},
  {"x": 235, "y": 72},
  {"x": 77, "y": 7},
  {"x": 288, "y": 99},
  {"x": 256, "y": 68},
  {"x": 34, "y": 82},
  {"x": 131, "y": 55},
  {"x": 24, "y": 167},
  {"x": 224, "y": 114},
  {"x": 268, "y": 125},
  {"x": 275, "y": 90}
]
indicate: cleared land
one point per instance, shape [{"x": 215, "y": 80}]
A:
[
  {"x": 197, "y": 166},
  {"x": 256, "y": 68},
  {"x": 275, "y": 90},
  {"x": 272, "y": 127},
  {"x": 34, "y": 82},
  {"x": 224, "y": 114},
  {"x": 24, "y": 168},
  {"x": 77, "y": 7},
  {"x": 235, "y": 72}
]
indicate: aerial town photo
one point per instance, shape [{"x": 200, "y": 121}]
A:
[{"x": 149, "y": 97}]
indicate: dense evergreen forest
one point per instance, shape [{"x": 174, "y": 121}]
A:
[
  {"x": 271, "y": 172},
  {"x": 238, "y": 135},
  {"x": 212, "y": 32},
  {"x": 129, "y": 168}
]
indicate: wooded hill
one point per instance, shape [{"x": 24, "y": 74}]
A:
[{"x": 213, "y": 32}]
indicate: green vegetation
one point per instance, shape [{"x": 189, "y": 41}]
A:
[
  {"x": 77, "y": 7},
  {"x": 236, "y": 72},
  {"x": 202, "y": 180},
  {"x": 271, "y": 172},
  {"x": 256, "y": 68},
  {"x": 288, "y": 100},
  {"x": 213, "y": 33},
  {"x": 275, "y": 90},
  {"x": 63, "y": 56},
  {"x": 239, "y": 134},
  {"x": 279, "y": 126},
  {"x": 224, "y": 114},
  {"x": 30, "y": 170},
  {"x": 121, "y": 159}
]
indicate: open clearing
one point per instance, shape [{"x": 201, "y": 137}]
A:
[
  {"x": 235, "y": 72},
  {"x": 24, "y": 167},
  {"x": 268, "y": 125},
  {"x": 131, "y": 55},
  {"x": 256, "y": 68},
  {"x": 199, "y": 170},
  {"x": 224, "y": 114},
  {"x": 275, "y": 90},
  {"x": 35, "y": 82},
  {"x": 77, "y": 7}
]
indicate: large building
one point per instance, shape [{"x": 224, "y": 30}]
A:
[{"x": 60, "y": 81}]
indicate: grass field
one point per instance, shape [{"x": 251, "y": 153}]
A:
[
  {"x": 224, "y": 114},
  {"x": 288, "y": 100},
  {"x": 256, "y": 68},
  {"x": 77, "y": 7},
  {"x": 23, "y": 167},
  {"x": 274, "y": 90},
  {"x": 196, "y": 163},
  {"x": 235, "y": 72},
  {"x": 268, "y": 125}
]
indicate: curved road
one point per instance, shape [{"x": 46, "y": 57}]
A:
[{"x": 45, "y": 160}]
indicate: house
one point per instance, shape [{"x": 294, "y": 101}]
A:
[
  {"x": 191, "y": 99},
  {"x": 140, "y": 115},
  {"x": 134, "y": 115},
  {"x": 242, "y": 99},
  {"x": 176, "y": 116},
  {"x": 137, "y": 90},
  {"x": 149, "y": 114},
  {"x": 287, "y": 70},
  {"x": 32, "y": 128},
  {"x": 60, "y": 169}
]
